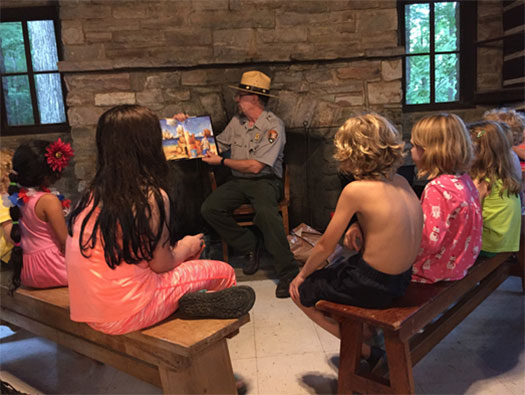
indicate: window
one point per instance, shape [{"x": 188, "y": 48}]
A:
[
  {"x": 438, "y": 39},
  {"x": 32, "y": 88}
]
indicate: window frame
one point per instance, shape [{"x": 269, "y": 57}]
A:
[
  {"x": 466, "y": 53},
  {"x": 25, "y": 14}
]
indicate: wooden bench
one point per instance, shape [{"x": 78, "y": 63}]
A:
[
  {"x": 180, "y": 356},
  {"x": 438, "y": 308}
]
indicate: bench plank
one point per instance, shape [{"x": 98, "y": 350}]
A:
[
  {"x": 435, "y": 332},
  {"x": 419, "y": 300}
]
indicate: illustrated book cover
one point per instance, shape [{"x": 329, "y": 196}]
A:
[{"x": 190, "y": 139}]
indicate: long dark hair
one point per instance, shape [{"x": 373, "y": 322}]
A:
[
  {"x": 131, "y": 171},
  {"x": 30, "y": 169}
]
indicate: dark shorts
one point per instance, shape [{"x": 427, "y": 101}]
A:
[{"x": 354, "y": 283}]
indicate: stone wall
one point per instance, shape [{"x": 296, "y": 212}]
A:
[
  {"x": 328, "y": 60},
  {"x": 102, "y": 34}
]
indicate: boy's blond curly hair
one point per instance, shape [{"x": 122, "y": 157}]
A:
[
  {"x": 369, "y": 147},
  {"x": 515, "y": 120},
  {"x": 446, "y": 143},
  {"x": 6, "y": 165}
]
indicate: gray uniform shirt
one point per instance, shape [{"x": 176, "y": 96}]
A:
[{"x": 264, "y": 142}]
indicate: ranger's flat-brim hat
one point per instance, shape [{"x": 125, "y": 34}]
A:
[{"x": 254, "y": 82}]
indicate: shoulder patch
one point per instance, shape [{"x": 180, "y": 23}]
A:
[{"x": 272, "y": 135}]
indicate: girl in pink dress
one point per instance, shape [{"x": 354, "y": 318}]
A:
[
  {"x": 39, "y": 229},
  {"x": 451, "y": 242},
  {"x": 126, "y": 269}
]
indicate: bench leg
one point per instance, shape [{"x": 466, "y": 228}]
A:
[
  {"x": 224, "y": 251},
  {"x": 521, "y": 254},
  {"x": 350, "y": 380},
  {"x": 399, "y": 364},
  {"x": 349, "y": 355},
  {"x": 209, "y": 372}
]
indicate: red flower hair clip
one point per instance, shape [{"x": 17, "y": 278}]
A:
[
  {"x": 58, "y": 155},
  {"x": 22, "y": 194}
]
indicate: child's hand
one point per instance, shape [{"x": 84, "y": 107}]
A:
[
  {"x": 181, "y": 117},
  {"x": 294, "y": 288},
  {"x": 484, "y": 189},
  {"x": 354, "y": 237},
  {"x": 198, "y": 254},
  {"x": 192, "y": 244}
]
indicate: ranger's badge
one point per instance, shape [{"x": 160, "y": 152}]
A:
[{"x": 272, "y": 135}]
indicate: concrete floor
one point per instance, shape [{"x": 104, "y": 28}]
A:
[{"x": 282, "y": 352}]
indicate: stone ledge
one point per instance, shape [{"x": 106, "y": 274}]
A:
[{"x": 95, "y": 65}]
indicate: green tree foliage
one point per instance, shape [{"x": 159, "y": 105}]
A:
[
  {"x": 13, "y": 58},
  {"x": 417, "y": 17},
  {"x": 16, "y": 88},
  {"x": 15, "y": 80}
]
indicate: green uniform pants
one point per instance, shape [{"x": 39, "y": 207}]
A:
[{"x": 263, "y": 194}]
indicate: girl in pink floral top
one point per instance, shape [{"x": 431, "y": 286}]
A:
[{"x": 451, "y": 242}]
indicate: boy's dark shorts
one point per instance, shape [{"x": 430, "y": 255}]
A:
[{"x": 354, "y": 283}]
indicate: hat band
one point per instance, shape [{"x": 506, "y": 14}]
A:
[{"x": 254, "y": 88}]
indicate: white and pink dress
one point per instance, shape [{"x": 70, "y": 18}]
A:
[{"x": 453, "y": 224}]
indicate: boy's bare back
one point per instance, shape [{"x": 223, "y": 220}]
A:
[{"x": 391, "y": 219}]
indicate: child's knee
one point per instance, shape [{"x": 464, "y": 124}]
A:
[{"x": 227, "y": 272}]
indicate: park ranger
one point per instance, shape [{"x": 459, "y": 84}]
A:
[{"x": 252, "y": 146}]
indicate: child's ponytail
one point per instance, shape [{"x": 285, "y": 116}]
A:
[{"x": 16, "y": 259}]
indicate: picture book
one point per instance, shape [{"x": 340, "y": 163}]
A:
[{"x": 190, "y": 139}]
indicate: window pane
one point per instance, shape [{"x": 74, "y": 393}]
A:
[
  {"x": 13, "y": 56},
  {"x": 447, "y": 75},
  {"x": 446, "y": 28},
  {"x": 43, "y": 45},
  {"x": 418, "y": 79},
  {"x": 417, "y": 20},
  {"x": 18, "y": 100},
  {"x": 49, "y": 96}
]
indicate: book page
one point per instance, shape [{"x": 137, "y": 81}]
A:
[{"x": 190, "y": 139}]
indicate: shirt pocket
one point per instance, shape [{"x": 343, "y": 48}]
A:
[{"x": 239, "y": 151}]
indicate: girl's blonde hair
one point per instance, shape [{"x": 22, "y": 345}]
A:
[
  {"x": 446, "y": 143},
  {"x": 6, "y": 166},
  {"x": 514, "y": 119},
  {"x": 369, "y": 147},
  {"x": 492, "y": 161}
]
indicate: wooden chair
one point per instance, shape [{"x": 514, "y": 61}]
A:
[{"x": 244, "y": 213}]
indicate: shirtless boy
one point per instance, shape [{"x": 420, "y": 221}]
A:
[{"x": 390, "y": 223}]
